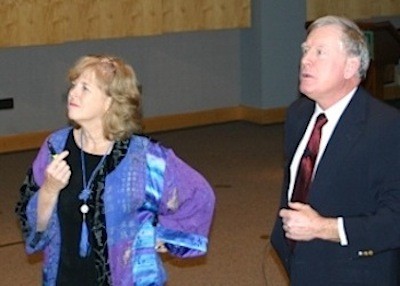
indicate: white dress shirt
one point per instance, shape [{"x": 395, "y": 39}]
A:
[{"x": 333, "y": 115}]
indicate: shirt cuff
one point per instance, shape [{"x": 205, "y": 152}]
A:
[{"x": 342, "y": 232}]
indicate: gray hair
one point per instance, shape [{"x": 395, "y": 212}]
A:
[{"x": 353, "y": 39}]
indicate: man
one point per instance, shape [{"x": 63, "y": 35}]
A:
[{"x": 345, "y": 230}]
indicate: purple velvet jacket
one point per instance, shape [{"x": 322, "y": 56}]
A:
[{"x": 147, "y": 195}]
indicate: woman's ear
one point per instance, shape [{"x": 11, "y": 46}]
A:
[{"x": 108, "y": 103}]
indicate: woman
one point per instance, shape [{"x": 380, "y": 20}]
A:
[{"x": 101, "y": 200}]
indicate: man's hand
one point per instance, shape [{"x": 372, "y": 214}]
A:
[{"x": 303, "y": 223}]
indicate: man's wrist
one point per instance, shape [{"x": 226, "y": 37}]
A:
[{"x": 329, "y": 229}]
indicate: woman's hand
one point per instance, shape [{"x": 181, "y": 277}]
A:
[{"x": 57, "y": 174}]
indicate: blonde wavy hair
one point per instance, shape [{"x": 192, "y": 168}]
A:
[{"x": 119, "y": 81}]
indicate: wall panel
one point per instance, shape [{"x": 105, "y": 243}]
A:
[
  {"x": 39, "y": 22},
  {"x": 181, "y": 15},
  {"x": 355, "y": 9}
]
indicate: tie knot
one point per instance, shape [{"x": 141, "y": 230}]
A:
[{"x": 321, "y": 120}]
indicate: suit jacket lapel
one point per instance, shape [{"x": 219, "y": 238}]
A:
[
  {"x": 349, "y": 127},
  {"x": 295, "y": 128},
  {"x": 299, "y": 125}
]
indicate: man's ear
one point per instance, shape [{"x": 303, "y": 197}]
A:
[{"x": 352, "y": 67}]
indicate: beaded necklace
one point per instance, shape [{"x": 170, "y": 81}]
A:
[{"x": 84, "y": 246}]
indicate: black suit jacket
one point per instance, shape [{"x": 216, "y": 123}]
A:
[{"x": 358, "y": 178}]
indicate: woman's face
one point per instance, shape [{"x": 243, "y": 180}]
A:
[{"x": 87, "y": 102}]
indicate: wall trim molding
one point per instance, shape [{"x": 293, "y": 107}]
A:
[{"x": 33, "y": 140}]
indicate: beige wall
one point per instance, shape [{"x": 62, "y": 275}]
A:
[
  {"x": 355, "y": 9},
  {"x": 39, "y": 22}
]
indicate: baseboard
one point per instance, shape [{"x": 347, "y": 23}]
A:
[
  {"x": 29, "y": 141},
  {"x": 22, "y": 142}
]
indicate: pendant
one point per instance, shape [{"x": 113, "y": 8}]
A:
[
  {"x": 84, "y": 209},
  {"x": 85, "y": 193}
]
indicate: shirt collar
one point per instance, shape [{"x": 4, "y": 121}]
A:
[{"x": 334, "y": 112}]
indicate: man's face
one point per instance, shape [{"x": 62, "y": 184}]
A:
[{"x": 323, "y": 73}]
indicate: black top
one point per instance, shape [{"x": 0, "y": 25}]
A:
[{"x": 73, "y": 269}]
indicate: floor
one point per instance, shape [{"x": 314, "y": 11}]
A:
[{"x": 242, "y": 161}]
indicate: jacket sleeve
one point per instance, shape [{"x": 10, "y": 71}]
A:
[
  {"x": 26, "y": 208},
  {"x": 377, "y": 229},
  {"x": 186, "y": 209}
]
